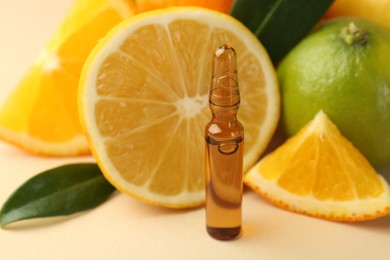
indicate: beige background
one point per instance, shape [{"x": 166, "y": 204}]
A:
[{"x": 123, "y": 228}]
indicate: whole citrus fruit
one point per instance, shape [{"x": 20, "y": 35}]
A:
[
  {"x": 373, "y": 10},
  {"x": 342, "y": 68}
]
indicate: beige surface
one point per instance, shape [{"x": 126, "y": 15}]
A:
[{"x": 123, "y": 228}]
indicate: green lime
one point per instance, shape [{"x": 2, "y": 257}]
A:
[{"x": 343, "y": 69}]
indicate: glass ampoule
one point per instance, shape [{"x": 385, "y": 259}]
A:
[{"x": 224, "y": 149}]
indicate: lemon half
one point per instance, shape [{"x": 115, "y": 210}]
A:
[{"x": 143, "y": 101}]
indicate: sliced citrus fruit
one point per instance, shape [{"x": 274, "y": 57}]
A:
[
  {"x": 320, "y": 173},
  {"x": 41, "y": 114},
  {"x": 143, "y": 101}
]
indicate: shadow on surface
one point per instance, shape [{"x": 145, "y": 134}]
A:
[
  {"x": 37, "y": 223},
  {"x": 385, "y": 171},
  {"x": 147, "y": 209},
  {"x": 382, "y": 224}
]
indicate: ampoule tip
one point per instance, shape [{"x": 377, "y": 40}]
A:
[{"x": 222, "y": 49}]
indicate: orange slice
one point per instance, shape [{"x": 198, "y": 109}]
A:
[
  {"x": 318, "y": 172},
  {"x": 41, "y": 115},
  {"x": 144, "y": 101}
]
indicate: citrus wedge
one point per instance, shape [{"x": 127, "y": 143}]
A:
[
  {"x": 318, "y": 172},
  {"x": 143, "y": 101},
  {"x": 41, "y": 115}
]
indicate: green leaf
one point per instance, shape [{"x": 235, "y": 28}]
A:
[
  {"x": 59, "y": 191},
  {"x": 279, "y": 24}
]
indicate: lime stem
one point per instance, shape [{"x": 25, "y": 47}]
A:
[{"x": 352, "y": 34}]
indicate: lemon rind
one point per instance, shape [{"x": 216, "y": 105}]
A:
[{"x": 78, "y": 145}]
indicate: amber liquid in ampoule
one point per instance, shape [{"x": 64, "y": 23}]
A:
[{"x": 224, "y": 150}]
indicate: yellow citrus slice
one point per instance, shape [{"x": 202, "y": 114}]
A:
[
  {"x": 143, "y": 101},
  {"x": 41, "y": 115},
  {"x": 320, "y": 173}
]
